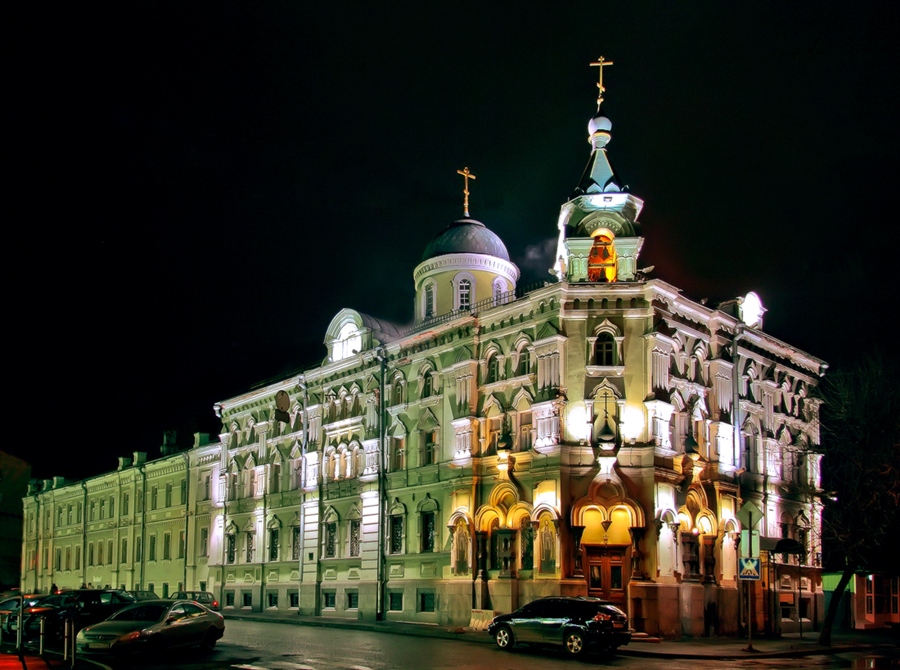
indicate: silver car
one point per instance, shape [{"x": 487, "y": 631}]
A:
[{"x": 153, "y": 625}]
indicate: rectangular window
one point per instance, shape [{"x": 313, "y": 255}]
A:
[
  {"x": 207, "y": 486},
  {"x": 152, "y": 555},
  {"x": 275, "y": 478},
  {"x": 124, "y": 504},
  {"x": 247, "y": 597},
  {"x": 154, "y": 494},
  {"x": 352, "y": 600},
  {"x": 78, "y": 558},
  {"x": 58, "y": 558},
  {"x": 167, "y": 546},
  {"x": 78, "y": 514},
  {"x": 525, "y": 433},
  {"x": 168, "y": 500},
  {"x": 183, "y": 493},
  {"x": 165, "y": 593},
  {"x": 328, "y": 598},
  {"x": 295, "y": 599},
  {"x": 139, "y": 502},
  {"x": 229, "y": 599},
  {"x": 69, "y": 515},
  {"x": 123, "y": 554},
  {"x": 46, "y": 562},
  {"x": 102, "y": 509},
  {"x": 151, "y": 587},
  {"x": 428, "y": 531},
  {"x": 138, "y": 549},
  {"x": 110, "y": 557},
  {"x": 395, "y": 601},
  {"x": 272, "y": 598},
  {"x": 295, "y": 543},
  {"x": 426, "y": 601},
  {"x": 330, "y": 540},
  {"x": 430, "y": 452},
  {"x": 204, "y": 541},
  {"x": 355, "y": 526},
  {"x": 112, "y": 507},
  {"x": 396, "y": 529},
  {"x": 181, "y": 541},
  {"x": 100, "y": 553},
  {"x": 398, "y": 454},
  {"x": 230, "y": 548},
  {"x": 93, "y": 511},
  {"x": 273, "y": 544},
  {"x": 68, "y": 558},
  {"x": 250, "y": 539}
]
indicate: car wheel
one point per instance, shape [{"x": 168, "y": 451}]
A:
[
  {"x": 504, "y": 637},
  {"x": 574, "y": 642},
  {"x": 209, "y": 640}
]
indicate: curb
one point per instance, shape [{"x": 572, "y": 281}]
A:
[{"x": 472, "y": 635}]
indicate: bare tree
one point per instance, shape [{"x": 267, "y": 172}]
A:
[{"x": 860, "y": 472}]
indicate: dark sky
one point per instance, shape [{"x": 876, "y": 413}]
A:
[{"x": 194, "y": 190}]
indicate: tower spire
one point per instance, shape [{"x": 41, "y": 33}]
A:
[
  {"x": 600, "y": 64},
  {"x": 466, "y": 176}
]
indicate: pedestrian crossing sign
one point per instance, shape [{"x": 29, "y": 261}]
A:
[{"x": 749, "y": 568}]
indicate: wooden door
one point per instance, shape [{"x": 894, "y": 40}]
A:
[{"x": 607, "y": 572}]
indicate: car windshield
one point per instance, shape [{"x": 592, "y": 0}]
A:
[
  {"x": 55, "y": 601},
  {"x": 140, "y": 613}
]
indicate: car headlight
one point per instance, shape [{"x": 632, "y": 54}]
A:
[{"x": 129, "y": 637}]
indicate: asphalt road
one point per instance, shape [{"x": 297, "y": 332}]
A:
[{"x": 251, "y": 645}]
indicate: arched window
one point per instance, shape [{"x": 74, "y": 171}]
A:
[
  {"x": 524, "y": 362},
  {"x": 605, "y": 350},
  {"x": 427, "y": 384},
  {"x": 498, "y": 291},
  {"x": 429, "y": 300},
  {"x": 464, "y": 294},
  {"x": 493, "y": 369}
]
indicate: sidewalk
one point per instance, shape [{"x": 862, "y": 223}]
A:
[{"x": 724, "y": 648}]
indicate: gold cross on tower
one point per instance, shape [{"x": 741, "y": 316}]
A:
[
  {"x": 467, "y": 176},
  {"x": 600, "y": 64}
]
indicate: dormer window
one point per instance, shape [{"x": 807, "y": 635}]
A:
[
  {"x": 347, "y": 343},
  {"x": 605, "y": 350}
]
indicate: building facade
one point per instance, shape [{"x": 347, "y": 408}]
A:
[{"x": 598, "y": 434}]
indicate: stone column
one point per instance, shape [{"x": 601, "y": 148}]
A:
[{"x": 637, "y": 563}]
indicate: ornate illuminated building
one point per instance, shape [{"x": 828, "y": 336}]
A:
[{"x": 596, "y": 435}]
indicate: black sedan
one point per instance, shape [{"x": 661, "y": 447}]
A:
[
  {"x": 575, "y": 623},
  {"x": 153, "y": 625}
]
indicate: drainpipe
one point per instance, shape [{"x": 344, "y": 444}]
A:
[
  {"x": 304, "y": 415},
  {"x": 84, "y": 523},
  {"x": 187, "y": 512},
  {"x": 143, "y": 521},
  {"x": 381, "y": 357}
]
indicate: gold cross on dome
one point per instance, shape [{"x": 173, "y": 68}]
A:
[
  {"x": 600, "y": 64},
  {"x": 466, "y": 176}
]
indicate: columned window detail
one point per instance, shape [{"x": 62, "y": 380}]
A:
[{"x": 463, "y": 291}]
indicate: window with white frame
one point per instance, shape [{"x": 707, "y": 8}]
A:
[{"x": 464, "y": 294}]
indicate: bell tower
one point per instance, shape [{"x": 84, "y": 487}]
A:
[{"x": 599, "y": 234}]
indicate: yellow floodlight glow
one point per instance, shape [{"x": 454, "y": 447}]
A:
[{"x": 632, "y": 423}]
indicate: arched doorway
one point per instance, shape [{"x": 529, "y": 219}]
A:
[{"x": 606, "y": 545}]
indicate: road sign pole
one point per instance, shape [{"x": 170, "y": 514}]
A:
[{"x": 750, "y": 599}]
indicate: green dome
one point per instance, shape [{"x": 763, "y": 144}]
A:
[{"x": 466, "y": 236}]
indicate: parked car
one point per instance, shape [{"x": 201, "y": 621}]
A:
[
  {"x": 9, "y": 608},
  {"x": 576, "y": 623},
  {"x": 143, "y": 595},
  {"x": 205, "y": 598},
  {"x": 153, "y": 626},
  {"x": 85, "y": 606}
]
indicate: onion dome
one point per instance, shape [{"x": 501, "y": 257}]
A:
[{"x": 466, "y": 236}]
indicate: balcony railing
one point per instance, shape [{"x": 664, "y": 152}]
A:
[{"x": 476, "y": 308}]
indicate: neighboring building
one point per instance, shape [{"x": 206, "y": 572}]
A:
[
  {"x": 871, "y": 600},
  {"x": 14, "y": 476},
  {"x": 595, "y": 435}
]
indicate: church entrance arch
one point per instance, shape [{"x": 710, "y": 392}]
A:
[{"x": 606, "y": 545}]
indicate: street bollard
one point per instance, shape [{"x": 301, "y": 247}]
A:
[{"x": 72, "y": 640}]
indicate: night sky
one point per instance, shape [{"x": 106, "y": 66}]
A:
[{"x": 194, "y": 190}]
